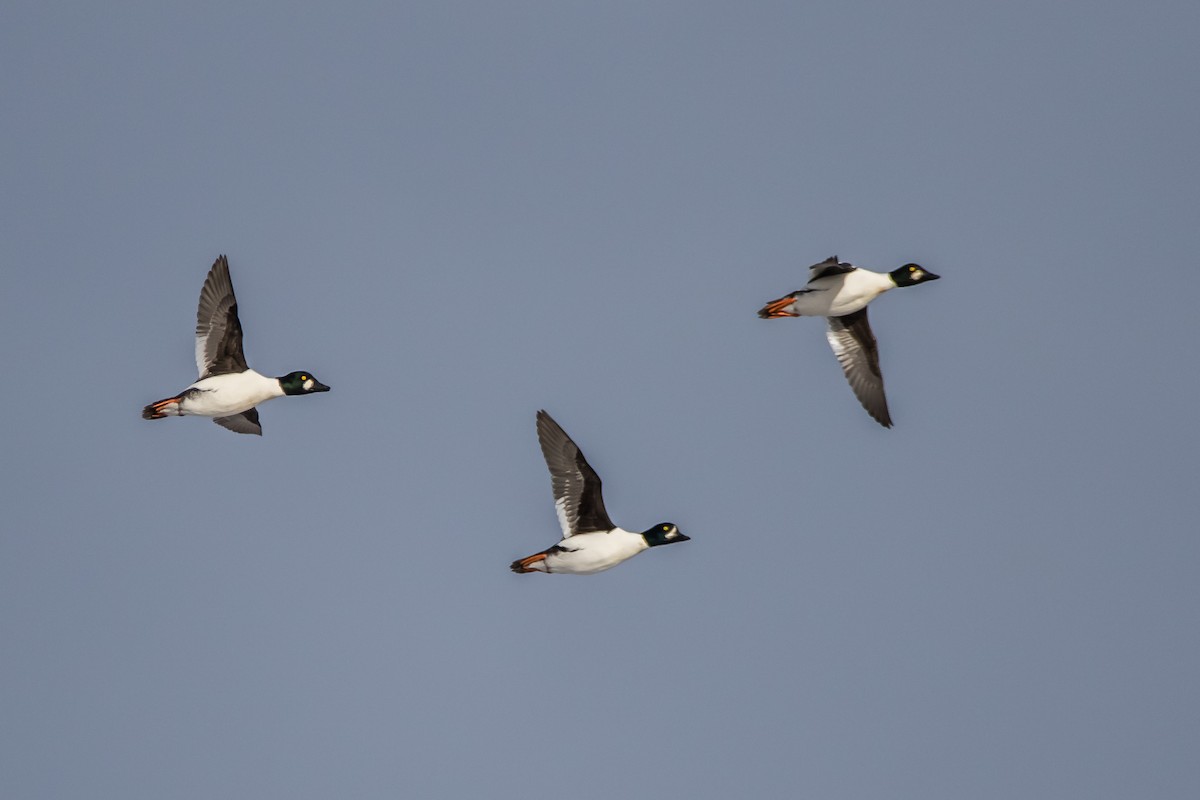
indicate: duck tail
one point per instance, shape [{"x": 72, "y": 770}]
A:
[{"x": 162, "y": 408}]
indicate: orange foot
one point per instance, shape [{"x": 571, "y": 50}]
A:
[
  {"x": 526, "y": 564},
  {"x": 777, "y": 308},
  {"x": 155, "y": 410}
]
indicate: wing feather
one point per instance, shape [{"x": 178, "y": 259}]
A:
[
  {"x": 830, "y": 266},
  {"x": 218, "y": 330},
  {"x": 854, "y": 345},
  {"x": 245, "y": 422},
  {"x": 577, "y": 489}
]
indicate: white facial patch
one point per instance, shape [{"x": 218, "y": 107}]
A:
[
  {"x": 308, "y": 384},
  {"x": 672, "y": 533}
]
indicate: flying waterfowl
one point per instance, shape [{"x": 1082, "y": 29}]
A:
[
  {"x": 228, "y": 389},
  {"x": 591, "y": 542},
  {"x": 841, "y": 292}
]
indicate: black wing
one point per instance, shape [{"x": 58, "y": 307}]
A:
[
  {"x": 577, "y": 497},
  {"x": 245, "y": 422},
  {"x": 830, "y": 266},
  {"x": 854, "y": 345},
  {"x": 218, "y": 331}
]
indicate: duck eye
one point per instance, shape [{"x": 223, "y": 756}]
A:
[{"x": 303, "y": 377}]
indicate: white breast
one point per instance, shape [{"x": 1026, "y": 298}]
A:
[
  {"x": 838, "y": 295},
  {"x": 857, "y": 289},
  {"x": 596, "y": 552},
  {"x": 222, "y": 395}
]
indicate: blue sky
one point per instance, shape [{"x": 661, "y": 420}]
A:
[{"x": 458, "y": 213}]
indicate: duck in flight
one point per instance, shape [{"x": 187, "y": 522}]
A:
[
  {"x": 841, "y": 292},
  {"x": 591, "y": 542},
  {"x": 228, "y": 389}
]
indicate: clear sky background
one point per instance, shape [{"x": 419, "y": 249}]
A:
[{"x": 456, "y": 213}]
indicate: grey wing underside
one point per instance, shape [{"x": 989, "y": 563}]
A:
[
  {"x": 830, "y": 266},
  {"x": 218, "y": 330},
  {"x": 577, "y": 495},
  {"x": 245, "y": 422},
  {"x": 854, "y": 345}
]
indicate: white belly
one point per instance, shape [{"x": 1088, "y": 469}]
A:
[
  {"x": 838, "y": 295},
  {"x": 223, "y": 395},
  {"x": 595, "y": 552}
]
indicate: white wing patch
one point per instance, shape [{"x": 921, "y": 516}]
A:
[
  {"x": 201, "y": 361},
  {"x": 841, "y": 344},
  {"x": 564, "y": 521}
]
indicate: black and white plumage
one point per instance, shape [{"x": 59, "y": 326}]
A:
[
  {"x": 228, "y": 390},
  {"x": 578, "y": 499},
  {"x": 591, "y": 542},
  {"x": 218, "y": 329},
  {"x": 854, "y": 345},
  {"x": 841, "y": 292}
]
